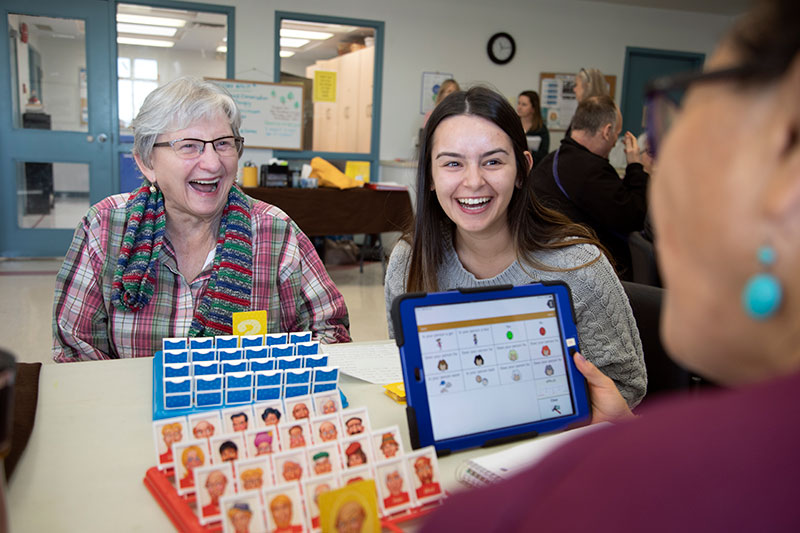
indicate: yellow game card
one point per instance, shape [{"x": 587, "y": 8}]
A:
[
  {"x": 351, "y": 509},
  {"x": 250, "y": 323}
]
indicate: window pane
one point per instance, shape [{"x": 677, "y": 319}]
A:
[
  {"x": 53, "y": 195},
  {"x": 159, "y": 59},
  {"x": 125, "y": 102},
  {"x": 50, "y": 74},
  {"x": 145, "y": 69},
  {"x": 140, "y": 91},
  {"x": 124, "y": 67},
  {"x": 342, "y": 58}
]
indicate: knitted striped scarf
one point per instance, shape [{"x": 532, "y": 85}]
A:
[{"x": 228, "y": 290}]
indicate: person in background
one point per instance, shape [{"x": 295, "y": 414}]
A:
[
  {"x": 183, "y": 252},
  {"x": 729, "y": 249},
  {"x": 590, "y": 82},
  {"x": 530, "y": 113},
  {"x": 479, "y": 223},
  {"x": 447, "y": 87},
  {"x": 578, "y": 181}
]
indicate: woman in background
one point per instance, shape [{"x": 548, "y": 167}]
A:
[
  {"x": 589, "y": 82},
  {"x": 728, "y": 229},
  {"x": 178, "y": 256},
  {"x": 479, "y": 224},
  {"x": 447, "y": 87},
  {"x": 530, "y": 113}
]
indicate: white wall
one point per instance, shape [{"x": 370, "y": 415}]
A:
[{"x": 451, "y": 36}]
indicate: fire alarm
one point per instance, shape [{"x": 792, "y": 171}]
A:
[{"x": 23, "y": 32}]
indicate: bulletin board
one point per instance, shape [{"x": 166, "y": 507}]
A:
[
  {"x": 557, "y": 91},
  {"x": 272, "y": 113}
]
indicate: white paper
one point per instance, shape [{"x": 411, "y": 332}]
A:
[{"x": 377, "y": 363}]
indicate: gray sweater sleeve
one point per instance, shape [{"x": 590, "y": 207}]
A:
[
  {"x": 395, "y": 282},
  {"x": 607, "y": 329}
]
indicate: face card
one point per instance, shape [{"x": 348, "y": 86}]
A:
[
  {"x": 213, "y": 482},
  {"x": 188, "y": 454},
  {"x": 355, "y": 421},
  {"x": 299, "y": 407},
  {"x": 326, "y": 428},
  {"x": 290, "y": 466},
  {"x": 284, "y": 508},
  {"x": 261, "y": 441},
  {"x": 394, "y": 486},
  {"x": 166, "y": 433},
  {"x": 312, "y": 488},
  {"x": 353, "y": 507},
  {"x": 268, "y": 413},
  {"x": 242, "y": 513},
  {"x": 324, "y": 459},
  {"x": 424, "y": 469},
  {"x": 237, "y": 418},
  {"x": 294, "y": 435},
  {"x": 386, "y": 443},
  {"x": 227, "y": 448},
  {"x": 253, "y": 474},
  {"x": 327, "y": 403},
  {"x": 205, "y": 425},
  {"x": 357, "y": 450}
]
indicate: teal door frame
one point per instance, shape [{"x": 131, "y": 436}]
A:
[
  {"x": 373, "y": 156},
  {"x": 664, "y": 62},
  {"x": 19, "y": 145}
]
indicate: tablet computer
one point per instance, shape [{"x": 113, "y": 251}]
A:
[{"x": 489, "y": 365}]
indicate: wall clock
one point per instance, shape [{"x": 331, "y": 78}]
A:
[{"x": 501, "y": 48}]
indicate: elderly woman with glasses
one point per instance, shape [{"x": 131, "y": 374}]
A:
[
  {"x": 178, "y": 256},
  {"x": 728, "y": 226}
]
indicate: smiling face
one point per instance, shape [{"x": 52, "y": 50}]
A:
[
  {"x": 474, "y": 175},
  {"x": 300, "y": 411},
  {"x": 203, "y": 430},
  {"x": 196, "y": 188}
]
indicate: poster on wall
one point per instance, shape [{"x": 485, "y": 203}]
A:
[
  {"x": 84, "y": 96},
  {"x": 431, "y": 82},
  {"x": 557, "y": 93}
]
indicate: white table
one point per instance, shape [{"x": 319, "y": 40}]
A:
[{"x": 92, "y": 444}]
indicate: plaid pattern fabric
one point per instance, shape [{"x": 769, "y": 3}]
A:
[{"x": 289, "y": 281}]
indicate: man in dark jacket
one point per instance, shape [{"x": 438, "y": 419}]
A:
[{"x": 578, "y": 180}]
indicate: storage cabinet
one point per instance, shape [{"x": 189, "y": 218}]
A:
[{"x": 345, "y": 125}]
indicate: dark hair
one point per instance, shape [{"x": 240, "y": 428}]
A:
[
  {"x": 239, "y": 414},
  {"x": 533, "y": 96},
  {"x": 594, "y": 113},
  {"x": 227, "y": 445},
  {"x": 768, "y": 38},
  {"x": 533, "y": 226},
  {"x": 270, "y": 411}
]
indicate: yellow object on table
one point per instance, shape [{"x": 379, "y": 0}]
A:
[
  {"x": 250, "y": 177},
  {"x": 396, "y": 391}
]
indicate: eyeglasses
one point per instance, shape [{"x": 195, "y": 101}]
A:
[
  {"x": 191, "y": 148},
  {"x": 664, "y": 97}
]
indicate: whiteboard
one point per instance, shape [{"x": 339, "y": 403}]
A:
[{"x": 272, "y": 113}]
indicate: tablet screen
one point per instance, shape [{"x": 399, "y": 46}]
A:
[{"x": 493, "y": 364}]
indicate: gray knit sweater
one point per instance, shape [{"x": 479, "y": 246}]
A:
[{"x": 606, "y": 328}]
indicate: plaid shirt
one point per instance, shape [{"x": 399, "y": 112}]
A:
[{"x": 289, "y": 282}]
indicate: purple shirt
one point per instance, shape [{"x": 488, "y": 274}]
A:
[{"x": 724, "y": 461}]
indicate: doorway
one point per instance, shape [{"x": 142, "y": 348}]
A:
[{"x": 643, "y": 65}]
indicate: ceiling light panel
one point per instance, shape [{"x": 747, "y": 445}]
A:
[
  {"x": 153, "y": 21},
  {"x": 139, "y": 29},
  {"x": 293, "y": 43},
  {"x": 305, "y": 34},
  {"x": 286, "y": 53},
  {"x": 145, "y": 42}
]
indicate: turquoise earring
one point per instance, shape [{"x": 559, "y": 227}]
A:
[{"x": 762, "y": 293}]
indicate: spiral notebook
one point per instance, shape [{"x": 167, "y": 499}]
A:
[{"x": 494, "y": 467}]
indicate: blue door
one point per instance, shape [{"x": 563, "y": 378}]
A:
[
  {"x": 56, "y": 141},
  {"x": 641, "y": 66}
]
